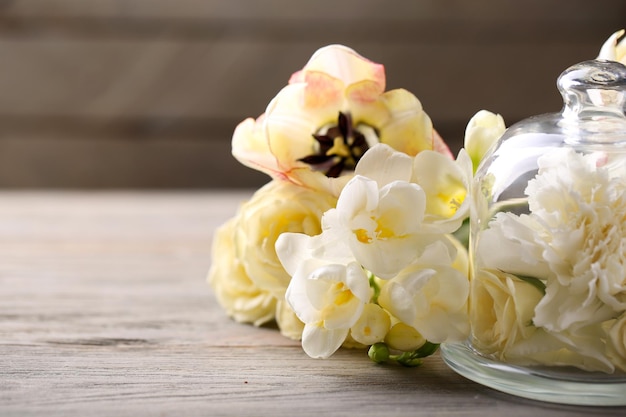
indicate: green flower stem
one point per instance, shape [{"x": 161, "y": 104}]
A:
[
  {"x": 379, "y": 353},
  {"x": 374, "y": 285}
]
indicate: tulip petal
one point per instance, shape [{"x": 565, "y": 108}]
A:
[
  {"x": 322, "y": 90},
  {"x": 409, "y": 128},
  {"x": 345, "y": 64}
]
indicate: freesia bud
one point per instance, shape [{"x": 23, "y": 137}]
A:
[
  {"x": 482, "y": 131},
  {"x": 372, "y": 326},
  {"x": 404, "y": 337},
  {"x": 379, "y": 353}
]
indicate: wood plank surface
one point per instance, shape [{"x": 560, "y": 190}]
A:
[{"x": 104, "y": 310}]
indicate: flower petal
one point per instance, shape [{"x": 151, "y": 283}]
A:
[
  {"x": 613, "y": 51},
  {"x": 384, "y": 165},
  {"x": 319, "y": 342},
  {"x": 482, "y": 131},
  {"x": 409, "y": 129},
  {"x": 344, "y": 64},
  {"x": 446, "y": 184}
]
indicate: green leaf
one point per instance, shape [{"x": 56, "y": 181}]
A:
[{"x": 535, "y": 282}]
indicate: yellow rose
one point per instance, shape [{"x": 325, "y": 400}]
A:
[
  {"x": 276, "y": 208},
  {"x": 246, "y": 275},
  {"x": 234, "y": 290},
  {"x": 289, "y": 324}
]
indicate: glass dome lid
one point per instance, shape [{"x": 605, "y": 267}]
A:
[
  {"x": 547, "y": 249},
  {"x": 592, "y": 120}
]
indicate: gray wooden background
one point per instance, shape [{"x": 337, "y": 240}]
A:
[{"x": 146, "y": 93}]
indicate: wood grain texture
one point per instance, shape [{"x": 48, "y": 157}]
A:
[
  {"x": 120, "y": 77},
  {"x": 104, "y": 310}
]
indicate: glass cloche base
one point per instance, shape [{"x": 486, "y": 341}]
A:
[{"x": 555, "y": 385}]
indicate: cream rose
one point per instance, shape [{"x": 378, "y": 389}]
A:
[
  {"x": 289, "y": 324},
  {"x": 236, "y": 293},
  {"x": 276, "y": 208},
  {"x": 246, "y": 275},
  {"x": 501, "y": 311}
]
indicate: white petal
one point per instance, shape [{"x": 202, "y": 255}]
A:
[
  {"x": 398, "y": 301},
  {"x": 319, "y": 342},
  {"x": 402, "y": 205},
  {"x": 359, "y": 194},
  {"x": 292, "y": 249},
  {"x": 395, "y": 241},
  {"x": 446, "y": 184},
  {"x": 608, "y": 50},
  {"x": 509, "y": 245},
  {"x": 357, "y": 281},
  {"x": 297, "y": 295},
  {"x": 384, "y": 165}
]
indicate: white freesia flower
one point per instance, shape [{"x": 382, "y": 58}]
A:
[
  {"x": 482, "y": 131},
  {"x": 446, "y": 183},
  {"x": 328, "y": 297},
  {"x": 381, "y": 226},
  {"x": 384, "y": 224},
  {"x": 430, "y": 296}
]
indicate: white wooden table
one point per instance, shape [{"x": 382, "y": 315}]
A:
[{"x": 104, "y": 311}]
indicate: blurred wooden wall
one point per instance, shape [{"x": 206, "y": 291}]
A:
[{"x": 146, "y": 93}]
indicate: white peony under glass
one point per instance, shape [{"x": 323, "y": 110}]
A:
[{"x": 548, "y": 250}]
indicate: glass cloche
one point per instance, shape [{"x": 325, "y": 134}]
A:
[{"x": 548, "y": 250}]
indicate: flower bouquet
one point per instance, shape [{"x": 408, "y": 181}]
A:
[
  {"x": 351, "y": 243},
  {"x": 360, "y": 238}
]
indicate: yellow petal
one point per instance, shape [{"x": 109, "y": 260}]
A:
[{"x": 409, "y": 129}]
